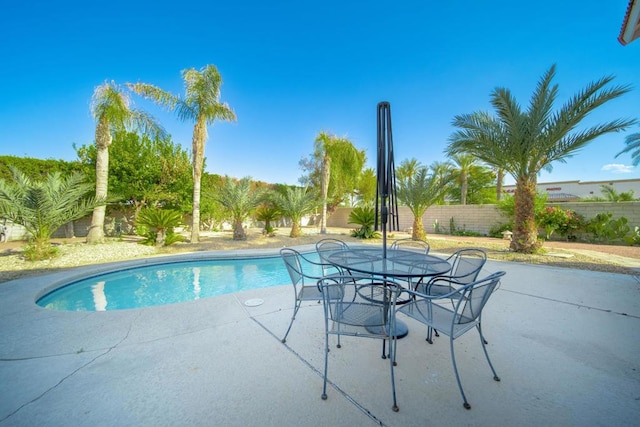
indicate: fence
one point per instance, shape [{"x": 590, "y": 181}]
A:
[
  {"x": 476, "y": 218},
  {"x": 481, "y": 218}
]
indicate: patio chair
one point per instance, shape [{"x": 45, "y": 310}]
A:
[
  {"x": 348, "y": 313},
  {"x": 466, "y": 314},
  {"x": 301, "y": 268},
  {"x": 326, "y": 247},
  {"x": 466, "y": 265},
  {"x": 411, "y": 244}
]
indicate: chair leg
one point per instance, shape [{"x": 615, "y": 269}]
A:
[
  {"x": 429, "y": 338},
  {"x": 455, "y": 370},
  {"x": 392, "y": 362},
  {"x": 486, "y": 354},
  {"x": 326, "y": 366},
  {"x": 295, "y": 312}
]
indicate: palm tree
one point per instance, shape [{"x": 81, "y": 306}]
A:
[
  {"x": 418, "y": 192},
  {"x": 407, "y": 169},
  {"x": 463, "y": 166},
  {"x": 347, "y": 164},
  {"x": 41, "y": 207},
  {"x": 611, "y": 195},
  {"x": 366, "y": 188},
  {"x": 240, "y": 200},
  {"x": 111, "y": 108},
  {"x": 443, "y": 171},
  {"x": 633, "y": 146},
  {"x": 499, "y": 181},
  {"x": 525, "y": 142},
  {"x": 295, "y": 203},
  {"x": 202, "y": 105}
]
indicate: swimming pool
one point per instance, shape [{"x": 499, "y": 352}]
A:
[{"x": 168, "y": 283}]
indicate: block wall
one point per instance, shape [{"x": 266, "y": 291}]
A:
[{"x": 481, "y": 218}]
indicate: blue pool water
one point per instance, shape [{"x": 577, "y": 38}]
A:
[{"x": 168, "y": 284}]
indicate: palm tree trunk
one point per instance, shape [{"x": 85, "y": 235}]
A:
[
  {"x": 418, "y": 232},
  {"x": 199, "y": 136},
  {"x": 525, "y": 234},
  {"x": 295, "y": 228},
  {"x": 499, "y": 181},
  {"x": 463, "y": 188},
  {"x": 238, "y": 231},
  {"x": 103, "y": 141},
  {"x": 326, "y": 174}
]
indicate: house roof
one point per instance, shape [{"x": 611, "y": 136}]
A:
[{"x": 631, "y": 25}]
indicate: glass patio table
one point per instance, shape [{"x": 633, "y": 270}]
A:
[{"x": 400, "y": 265}]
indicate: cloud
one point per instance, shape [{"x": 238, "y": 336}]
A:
[{"x": 617, "y": 168}]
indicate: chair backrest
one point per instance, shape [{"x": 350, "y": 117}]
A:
[
  {"x": 300, "y": 267},
  {"x": 360, "y": 309},
  {"x": 411, "y": 244},
  {"x": 326, "y": 247},
  {"x": 473, "y": 297},
  {"x": 466, "y": 264},
  {"x": 291, "y": 260}
]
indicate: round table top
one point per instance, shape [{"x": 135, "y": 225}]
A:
[{"x": 398, "y": 263}]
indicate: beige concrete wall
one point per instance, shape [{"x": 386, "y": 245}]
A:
[{"x": 480, "y": 218}]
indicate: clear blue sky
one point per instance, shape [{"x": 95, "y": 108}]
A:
[{"x": 292, "y": 69}]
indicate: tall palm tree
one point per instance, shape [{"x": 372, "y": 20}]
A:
[
  {"x": 633, "y": 146},
  {"x": 111, "y": 108},
  {"x": 41, "y": 207},
  {"x": 295, "y": 203},
  {"x": 418, "y": 192},
  {"x": 443, "y": 171},
  {"x": 463, "y": 166},
  {"x": 407, "y": 169},
  {"x": 499, "y": 181},
  {"x": 525, "y": 142},
  {"x": 240, "y": 200},
  {"x": 202, "y": 105},
  {"x": 347, "y": 164}
]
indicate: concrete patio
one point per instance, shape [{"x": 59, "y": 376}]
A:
[{"x": 566, "y": 344}]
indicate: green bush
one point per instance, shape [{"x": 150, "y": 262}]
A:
[
  {"x": 574, "y": 223},
  {"x": 551, "y": 218},
  {"x": 157, "y": 225},
  {"x": 634, "y": 239},
  {"x": 603, "y": 228},
  {"x": 365, "y": 217}
]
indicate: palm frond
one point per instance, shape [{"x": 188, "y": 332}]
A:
[{"x": 633, "y": 146}]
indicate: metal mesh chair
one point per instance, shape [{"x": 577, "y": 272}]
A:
[
  {"x": 301, "y": 268},
  {"x": 466, "y": 265},
  {"x": 326, "y": 247},
  {"x": 411, "y": 244},
  {"x": 347, "y": 312},
  {"x": 469, "y": 301}
]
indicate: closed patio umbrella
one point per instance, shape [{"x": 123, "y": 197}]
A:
[{"x": 386, "y": 201}]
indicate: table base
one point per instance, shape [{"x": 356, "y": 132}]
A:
[{"x": 401, "y": 329}]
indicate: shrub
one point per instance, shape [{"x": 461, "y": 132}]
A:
[
  {"x": 551, "y": 218},
  {"x": 574, "y": 223},
  {"x": 604, "y": 228},
  {"x": 157, "y": 226},
  {"x": 365, "y": 217},
  {"x": 634, "y": 239}
]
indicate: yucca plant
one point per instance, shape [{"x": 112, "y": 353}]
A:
[{"x": 157, "y": 226}]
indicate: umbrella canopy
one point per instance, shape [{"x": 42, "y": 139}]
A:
[{"x": 386, "y": 201}]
